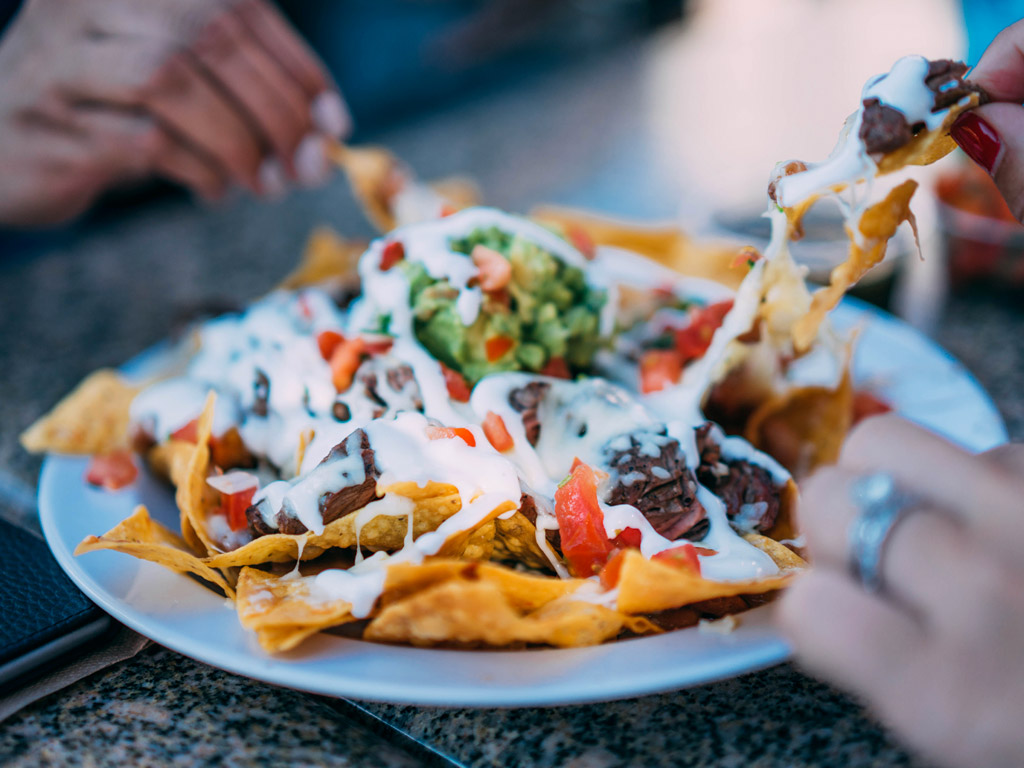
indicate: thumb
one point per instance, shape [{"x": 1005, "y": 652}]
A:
[{"x": 993, "y": 136}]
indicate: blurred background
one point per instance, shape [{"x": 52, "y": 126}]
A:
[{"x": 659, "y": 110}]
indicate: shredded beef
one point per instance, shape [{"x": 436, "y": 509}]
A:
[
  {"x": 526, "y": 400},
  {"x": 397, "y": 377},
  {"x": 665, "y": 493},
  {"x": 333, "y": 506},
  {"x": 945, "y": 78},
  {"x": 749, "y": 493},
  {"x": 883, "y": 129},
  {"x": 260, "y": 393},
  {"x": 528, "y": 508}
]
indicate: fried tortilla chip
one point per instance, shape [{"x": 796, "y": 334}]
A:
[
  {"x": 928, "y": 146},
  {"x": 804, "y": 428},
  {"x": 281, "y": 610},
  {"x": 93, "y": 418},
  {"x": 516, "y": 539},
  {"x": 647, "y": 586},
  {"x": 877, "y": 225},
  {"x": 142, "y": 537},
  {"x": 784, "y": 557},
  {"x": 195, "y": 498},
  {"x": 327, "y": 256}
]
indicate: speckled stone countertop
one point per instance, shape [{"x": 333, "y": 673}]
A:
[{"x": 107, "y": 291}]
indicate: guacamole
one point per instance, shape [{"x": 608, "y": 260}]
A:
[{"x": 546, "y": 312}]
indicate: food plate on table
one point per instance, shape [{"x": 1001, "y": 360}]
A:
[{"x": 508, "y": 434}]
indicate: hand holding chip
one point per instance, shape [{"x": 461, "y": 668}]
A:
[
  {"x": 993, "y": 134},
  {"x": 206, "y": 94},
  {"x": 936, "y": 651}
]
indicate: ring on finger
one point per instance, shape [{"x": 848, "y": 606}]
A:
[{"x": 880, "y": 505}]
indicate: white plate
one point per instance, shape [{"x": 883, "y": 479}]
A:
[{"x": 924, "y": 382}]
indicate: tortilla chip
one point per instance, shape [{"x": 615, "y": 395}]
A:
[
  {"x": 142, "y": 537},
  {"x": 195, "y": 498},
  {"x": 458, "y": 191},
  {"x": 327, "y": 256},
  {"x": 647, "y": 586},
  {"x": 516, "y": 539},
  {"x": 805, "y": 427},
  {"x": 93, "y": 418},
  {"x": 784, "y": 557},
  {"x": 375, "y": 175},
  {"x": 666, "y": 244},
  {"x": 475, "y": 612},
  {"x": 281, "y": 610},
  {"x": 927, "y": 146},
  {"x": 877, "y": 225}
]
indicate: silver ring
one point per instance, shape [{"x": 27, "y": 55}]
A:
[{"x": 880, "y": 505}]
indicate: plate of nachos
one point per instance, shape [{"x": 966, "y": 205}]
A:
[{"x": 490, "y": 459}]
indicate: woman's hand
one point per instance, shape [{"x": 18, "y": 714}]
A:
[
  {"x": 207, "y": 93},
  {"x": 938, "y": 655},
  {"x": 993, "y": 134}
]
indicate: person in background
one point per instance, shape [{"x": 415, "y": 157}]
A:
[
  {"x": 916, "y": 600},
  {"x": 100, "y": 93}
]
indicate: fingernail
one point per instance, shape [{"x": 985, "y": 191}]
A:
[
  {"x": 331, "y": 115},
  {"x": 272, "y": 180},
  {"x": 978, "y": 139},
  {"x": 311, "y": 161}
]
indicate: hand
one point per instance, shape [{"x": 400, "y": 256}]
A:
[
  {"x": 993, "y": 134},
  {"x": 939, "y": 657},
  {"x": 207, "y": 93}
]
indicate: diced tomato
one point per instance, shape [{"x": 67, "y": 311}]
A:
[
  {"x": 234, "y": 505},
  {"x": 497, "y": 433},
  {"x": 393, "y": 253},
  {"x": 377, "y": 343},
  {"x": 345, "y": 359},
  {"x": 304, "y": 309},
  {"x": 556, "y": 367},
  {"x": 496, "y": 347},
  {"x": 660, "y": 368},
  {"x": 112, "y": 470},
  {"x": 328, "y": 341},
  {"x": 582, "y": 241},
  {"x": 494, "y": 270},
  {"x": 693, "y": 340},
  {"x": 188, "y": 433},
  {"x": 867, "y": 404},
  {"x": 747, "y": 255},
  {"x": 448, "y": 209},
  {"x": 684, "y": 556},
  {"x": 581, "y": 522},
  {"x": 450, "y": 433},
  {"x": 458, "y": 387},
  {"x": 629, "y": 537},
  {"x": 613, "y": 569}
]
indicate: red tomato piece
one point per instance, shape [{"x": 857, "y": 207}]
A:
[
  {"x": 234, "y": 505},
  {"x": 495, "y": 271},
  {"x": 328, "y": 341},
  {"x": 660, "y": 368},
  {"x": 458, "y": 387},
  {"x": 393, "y": 253},
  {"x": 188, "y": 433},
  {"x": 345, "y": 359},
  {"x": 377, "y": 343},
  {"x": 497, "y": 432},
  {"x": 450, "y": 433},
  {"x": 582, "y": 241},
  {"x": 867, "y": 404},
  {"x": 630, "y": 537},
  {"x": 581, "y": 522},
  {"x": 684, "y": 556},
  {"x": 497, "y": 346},
  {"x": 112, "y": 470},
  {"x": 556, "y": 367},
  {"x": 693, "y": 340},
  {"x": 447, "y": 210},
  {"x": 613, "y": 569}
]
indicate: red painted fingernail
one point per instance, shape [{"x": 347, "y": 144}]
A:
[{"x": 978, "y": 139}]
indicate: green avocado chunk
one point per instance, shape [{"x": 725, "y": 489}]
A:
[{"x": 547, "y": 311}]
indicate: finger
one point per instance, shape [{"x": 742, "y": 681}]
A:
[
  {"x": 984, "y": 495},
  {"x": 130, "y": 146},
  {"x": 840, "y": 632},
  {"x": 329, "y": 111},
  {"x": 923, "y": 559},
  {"x": 125, "y": 73},
  {"x": 273, "y": 102},
  {"x": 1000, "y": 71},
  {"x": 1010, "y": 456},
  {"x": 993, "y": 136}
]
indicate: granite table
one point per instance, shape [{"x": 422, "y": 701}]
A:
[{"x": 108, "y": 290}]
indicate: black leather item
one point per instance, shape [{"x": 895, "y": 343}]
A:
[{"x": 38, "y": 603}]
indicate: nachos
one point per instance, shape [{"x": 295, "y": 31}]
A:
[{"x": 517, "y": 432}]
